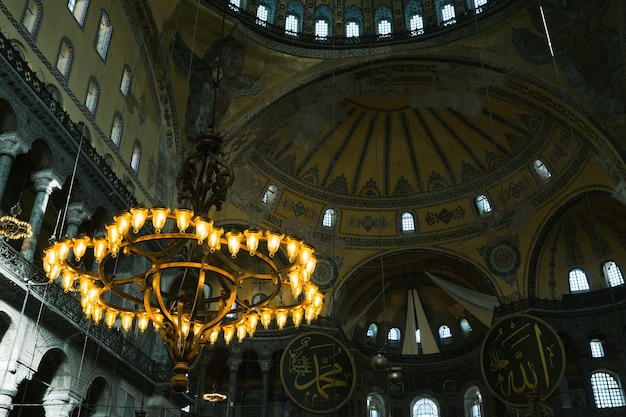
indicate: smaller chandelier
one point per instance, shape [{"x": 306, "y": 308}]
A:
[
  {"x": 13, "y": 228},
  {"x": 195, "y": 282}
]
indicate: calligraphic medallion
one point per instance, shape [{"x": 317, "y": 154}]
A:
[
  {"x": 317, "y": 372},
  {"x": 522, "y": 355}
]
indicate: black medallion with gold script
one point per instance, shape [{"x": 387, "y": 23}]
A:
[
  {"x": 522, "y": 355},
  {"x": 317, "y": 372}
]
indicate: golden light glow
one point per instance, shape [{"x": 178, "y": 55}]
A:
[{"x": 217, "y": 283}]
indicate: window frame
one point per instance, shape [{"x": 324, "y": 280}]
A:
[
  {"x": 424, "y": 400},
  {"x": 417, "y": 30},
  {"x": 329, "y": 219},
  {"x": 270, "y": 195},
  {"x": 135, "y": 158},
  {"x": 596, "y": 348},
  {"x": 78, "y": 9},
  {"x": 575, "y": 278},
  {"x": 483, "y": 205},
  {"x": 92, "y": 96},
  {"x": 321, "y": 37},
  {"x": 407, "y": 223},
  {"x": 33, "y": 24},
  {"x": 611, "y": 400},
  {"x": 612, "y": 279},
  {"x": 67, "y": 62},
  {"x": 349, "y": 31},
  {"x": 117, "y": 129},
  {"x": 104, "y": 34}
]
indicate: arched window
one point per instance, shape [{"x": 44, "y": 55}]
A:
[
  {"x": 597, "y": 348},
  {"x": 375, "y": 406},
  {"x": 65, "y": 57},
  {"x": 407, "y": 222},
  {"x": 578, "y": 281},
  {"x": 446, "y": 14},
  {"x": 265, "y": 13},
  {"x": 258, "y": 297},
  {"x": 541, "y": 170},
  {"x": 293, "y": 20},
  {"x": 383, "y": 17},
  {"x": 321, "y": 29},
  {"x": 354, "y": 21},
  {"x": 330, "y": 218},
  {"x": 234, "y": 4},
  {"x": 473, "y": 402},
  {"x": 136, "y": 156},
  {"x": 424, "y": 407},
  {"x": 416, "y": 25},
  {"x": 418, "y": 336},
  {"x": 117, "y": 129},
  {"x": 78, "y": 9},
  {"x": 292, "y": 25},
  {"x": 126, "y": 80},
  {"x": 323, "y": 19},
  {"x": 606, "y": 390},
  {"x": 31, "y": 18},
  {"x": 103, "y": 36},
  {"x": 394, "y": 335},
  {"x": 483, "y": 205},
  {"x": 372, "y": 332},
  {"x": 414, "y": 13},
  {"x": 477, "y": 5},
  {"x": 445, "y": 334},
  {"x": 352, "y": 29},
  {"x": 466, "y": 328},
  {"x": 612, "y": 274},
  {"x": 269, "y": 196},
  {"x": 93, "y": 94}
]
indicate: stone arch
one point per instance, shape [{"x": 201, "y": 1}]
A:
[
  {"x": 96, "y": 400},
  {"x": 52, "y": 374}
]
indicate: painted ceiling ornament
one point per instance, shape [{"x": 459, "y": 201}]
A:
[
  {"x": 582, "y": 47},
  {"x": 211, "y": 73},
  {"x": 503, "y": 259}
]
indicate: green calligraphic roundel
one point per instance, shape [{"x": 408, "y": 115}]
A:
[
  {"x": 521, "y": 356},
  {"x": 317, "y": 372}
]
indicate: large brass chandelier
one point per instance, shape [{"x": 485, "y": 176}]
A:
[{"x": 179, "y": 270}]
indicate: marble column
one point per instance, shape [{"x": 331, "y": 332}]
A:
[
  {"x": 46, "y": 181},
  {"x": 233, "y": 365},
  {"x": 76, "y": 214},
  {"x": 58, "y": 403},
  {"x": 266, "y": 365},
  {"x": 11, "y": 145}
]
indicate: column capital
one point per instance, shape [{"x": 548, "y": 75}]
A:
[
  {"x": 266, "y": 365},
  {"x": 233, "y": 363},
  {"x": 46, "y": 180},
  {"x": 11, "y": 144},
  {"x": 78, "y": 212}
]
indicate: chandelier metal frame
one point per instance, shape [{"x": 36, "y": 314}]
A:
[{"x": 189, "y": 277}]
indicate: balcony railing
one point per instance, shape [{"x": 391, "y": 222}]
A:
[{"x": 15, "y": 271}]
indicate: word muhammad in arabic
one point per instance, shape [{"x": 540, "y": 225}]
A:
[
  {"x": 522, "y": 355},
  {"x": 317, "y": 372}
]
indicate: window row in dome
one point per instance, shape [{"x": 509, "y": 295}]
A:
[
  {"x": 329, "y": 219},
  {"x": 427, "y": 406},
  {"x": 578, "y": 281},
  {"x": 394, "y": 335},
  {"x": 353, "y": 17}
]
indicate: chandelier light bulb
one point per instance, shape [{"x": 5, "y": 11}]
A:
[
  {"x": 139, "y": 216},
  {"x": 183, "y": 218},
  {"x": 252, "y": 240},
  {"x": 159, "y": 217},
  {"x": 202, "y": 229},
  {"x": 109, "y": 317},
  {"x": 80, "y": 244},
  {"x": 273, "y": 242},
  {"x": 234, "y": 239},
  {"x": 123, "y": 222},
  {"x": 229, "y": 332}
]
